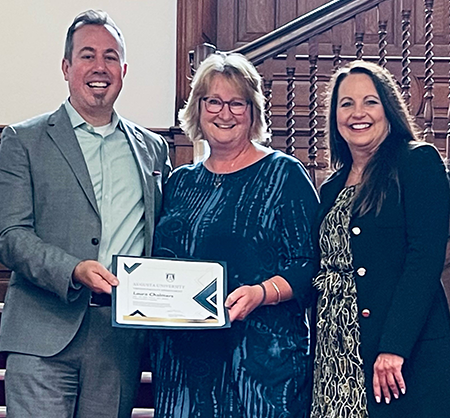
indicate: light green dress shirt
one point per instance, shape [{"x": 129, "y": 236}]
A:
[{"x": 117, "y": 185}]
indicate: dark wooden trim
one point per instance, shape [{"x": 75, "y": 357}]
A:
[
  {"x": 168, "y": 133},
  {"x": 186, "y": 40},
  {"x": 303, "y": 28},
  {"x": 196, "y": 24}
]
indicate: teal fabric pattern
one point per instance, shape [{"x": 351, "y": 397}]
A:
[{"x": 258, "y": 220}]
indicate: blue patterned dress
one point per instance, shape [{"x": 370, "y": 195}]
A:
[{"x": 258, "y": 220}]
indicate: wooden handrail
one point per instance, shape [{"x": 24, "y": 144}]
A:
[
  {"x": 303, "y": 28},
  {"x": 268, "y": 52}
]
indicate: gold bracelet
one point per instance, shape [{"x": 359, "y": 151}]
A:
[{"x": 277, "y": 289}]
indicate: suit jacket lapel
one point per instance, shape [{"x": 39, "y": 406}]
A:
[
  {"x": 140, "y": 152},
  {"x": 61, "y": 132},
  {"x": 145, "y": 165}
]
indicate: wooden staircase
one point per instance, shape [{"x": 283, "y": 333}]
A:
[
  {"x": 297, "y": 60},
  {"x": 408, "y": 37}
]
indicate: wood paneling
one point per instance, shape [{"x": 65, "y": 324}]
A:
[
  {"x": 226, "y": 25},
  {"x": 241, "y": 21},
  {"x": 255, "y": 18},
  {"x": 440, "y": 21},
  {"x": 285, "y": 13},
  {"x": 196, "y": 24}
]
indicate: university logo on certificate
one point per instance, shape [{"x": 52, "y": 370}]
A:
[{"x": 169, "y": 293}]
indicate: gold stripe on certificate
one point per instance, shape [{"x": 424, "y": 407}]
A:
[{"x": 174, "y": 320}]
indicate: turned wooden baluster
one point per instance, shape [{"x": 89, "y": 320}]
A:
[
  {"x": 198, "y": 54},
  {"x": 290, "y": 105},
  {"x": 428, "y": 132},
  {"x": 359, "y": 35},
  {"x": 336, "y": 36},
  {"x": 383, "y": 13},
  {"x": 406, "y": 63},
  {"x": 312, "y": 150},
  {"x": 268, "y": 82}
]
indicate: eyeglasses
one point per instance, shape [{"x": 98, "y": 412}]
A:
[{"x": 215, "y": 105}]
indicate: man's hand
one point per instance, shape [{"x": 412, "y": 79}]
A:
[{"x": 93, "y": 275}]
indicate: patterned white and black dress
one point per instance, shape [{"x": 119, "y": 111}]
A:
[{"x": 339, "y": 390}]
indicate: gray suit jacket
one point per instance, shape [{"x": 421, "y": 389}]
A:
[{"x": 49, "y": 222}]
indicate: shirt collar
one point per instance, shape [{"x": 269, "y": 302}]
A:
[{"x": 77, "y": 120}]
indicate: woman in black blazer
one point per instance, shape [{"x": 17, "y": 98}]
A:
[{"x": 383, "y": 323}]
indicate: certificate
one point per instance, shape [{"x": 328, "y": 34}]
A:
[{"x": 169, "y": 293}]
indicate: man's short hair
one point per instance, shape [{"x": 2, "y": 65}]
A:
[{"x": 92, "y": 17}]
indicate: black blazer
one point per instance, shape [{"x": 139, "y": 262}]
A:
[{"x": 398, "y": 257}]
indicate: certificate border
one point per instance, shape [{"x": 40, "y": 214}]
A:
[{"x": 146, "y": 326}]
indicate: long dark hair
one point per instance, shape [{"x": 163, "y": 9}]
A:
[{"x": 382, "y": 169}]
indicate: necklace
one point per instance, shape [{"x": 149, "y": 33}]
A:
[
  {"x": 218, "y": 179},
  {"x": 243, "y": 158}
]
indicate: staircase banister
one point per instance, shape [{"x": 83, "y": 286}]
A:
[{"x": 303, "y": 28}]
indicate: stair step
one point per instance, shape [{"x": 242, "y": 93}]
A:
[
  {"x": 141, "y": 413},
  {"x": 137, "y": 412},
  {"x": 146, "y": 377}
]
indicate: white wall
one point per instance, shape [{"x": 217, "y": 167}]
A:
[{"x": 32, "y": 35}]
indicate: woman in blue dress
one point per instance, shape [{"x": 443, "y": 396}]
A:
[{"x": 251, "y": 207}]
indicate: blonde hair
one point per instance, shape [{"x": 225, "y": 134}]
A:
[{"x": 238, "y": 71}]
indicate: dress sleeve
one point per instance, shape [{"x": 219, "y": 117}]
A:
[
  {"x": 295, "y": 216},
  {"x": 426, "y": 201}
]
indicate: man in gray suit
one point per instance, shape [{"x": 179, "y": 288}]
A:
[{"x": 77, "y": 186}]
